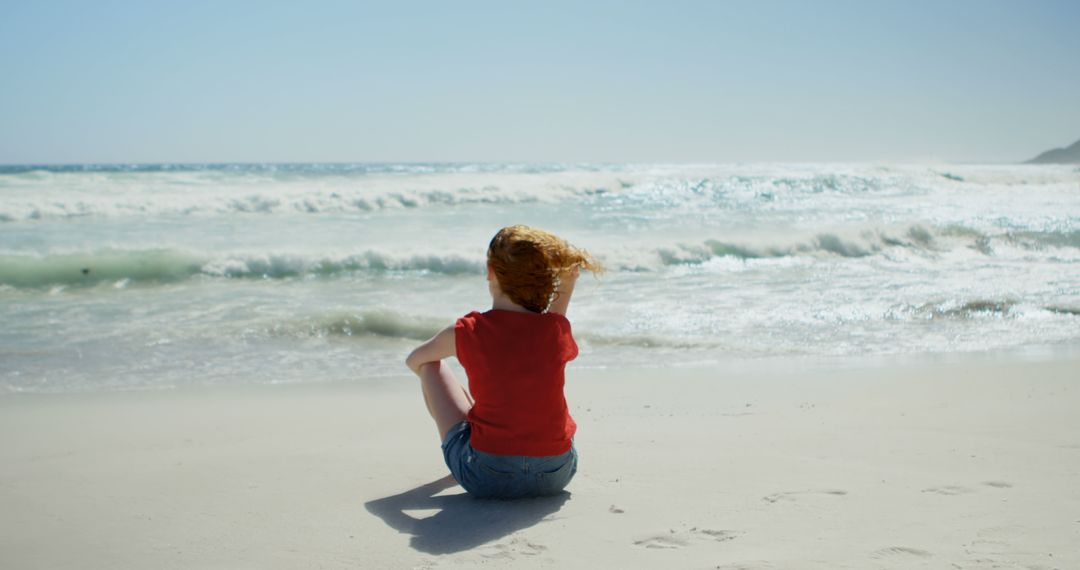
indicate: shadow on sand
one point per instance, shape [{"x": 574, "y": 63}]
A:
[{"x": 462, "y": 522}]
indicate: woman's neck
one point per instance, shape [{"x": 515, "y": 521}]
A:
[{"x": 503, "y": 303}]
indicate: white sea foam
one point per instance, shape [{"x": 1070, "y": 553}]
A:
[
  {"x": 160, "y": 266},
  {"x": 150, "y": 276}
]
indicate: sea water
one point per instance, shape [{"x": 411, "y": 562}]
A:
[{"x": 153, "y": 276}]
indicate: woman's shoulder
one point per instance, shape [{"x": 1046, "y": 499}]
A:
[
  {"x": 558, "y": 320},
  {"x": 468, "y": 320}
]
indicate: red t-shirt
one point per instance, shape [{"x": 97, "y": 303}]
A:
[{"x": 515, "y": 363}]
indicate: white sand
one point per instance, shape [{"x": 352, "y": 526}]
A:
[{"x": 964, "y": 465}]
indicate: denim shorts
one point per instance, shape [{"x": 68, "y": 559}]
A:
[{"x": 491, "y": 476}]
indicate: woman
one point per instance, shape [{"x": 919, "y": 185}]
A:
[{"x": 513, "y": 436}]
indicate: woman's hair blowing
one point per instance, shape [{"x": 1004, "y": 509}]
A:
[{"x": 527, "y": 262}]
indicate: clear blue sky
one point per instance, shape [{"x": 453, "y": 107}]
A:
[{"x": 145, "y": 81}]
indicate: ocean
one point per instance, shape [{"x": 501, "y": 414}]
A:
[{"x": 161, "y": 276}]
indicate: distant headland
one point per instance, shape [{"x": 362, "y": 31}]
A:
[{"x": 1069, "y": 155}]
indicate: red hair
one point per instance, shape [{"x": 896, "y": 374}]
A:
[{"x": 527, "y": 262}]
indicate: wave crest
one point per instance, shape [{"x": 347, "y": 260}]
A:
[
  {"x": 165, "y": 266},
  {"x": 915, "y": 238},
  {"x": 379, "y": 322},
  {"x": 958, "y": 310},
  {"x": 825, "y": 243}
]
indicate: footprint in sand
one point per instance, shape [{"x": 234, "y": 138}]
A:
[
  {"x": 960, "y": 490},
  {"x": 681, "y": 538},
  {"x": 986, "y": 546},
  {"x": 663, "y": 541},
  {"x": 998, "y": 554},
  {"x": 998, "y": 534},
  {"x": 749, "y": 565},
  {"x": 794, "y": 495},
  {"x": 900, "y": 552},
  {"x": 948, "y": 490},
  {"x": 716, "y": 535},
  {"x": 513, "y": 548}
]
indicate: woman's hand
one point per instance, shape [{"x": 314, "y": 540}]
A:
[
  {"x": 567, "y": 279},
  {"x": 569, "y": 275}
]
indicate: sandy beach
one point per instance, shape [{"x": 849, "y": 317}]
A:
[
  {"x": 820, "y": 264},
  {"x": 970, "y": 463}
]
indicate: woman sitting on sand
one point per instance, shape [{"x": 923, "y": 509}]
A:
[{"x": 516, "y": 438}]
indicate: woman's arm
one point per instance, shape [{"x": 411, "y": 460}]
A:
[
  {"x": 567, "y": 280},
  {"x": 438, "y": 347}
]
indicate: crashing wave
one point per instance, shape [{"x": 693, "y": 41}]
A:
[
  {"x": 916, "y": 239},
  {"x": 865, "y": 244},
  {"x": 379, "y": 323},
  {"x": 956, "y": 310},
  {"x": 165, "y": 266}
]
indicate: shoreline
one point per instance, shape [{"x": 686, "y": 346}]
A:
[
  {"x": 924, "y": 464},
  {"x": 803, "y": 365}
]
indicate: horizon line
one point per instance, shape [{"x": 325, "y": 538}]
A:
[{"x": 141, "y": 164}]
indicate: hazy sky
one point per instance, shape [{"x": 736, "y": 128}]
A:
[{"x": 662, "y": 81}]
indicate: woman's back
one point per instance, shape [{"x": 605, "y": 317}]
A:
[{"x": 515, "y": 362}]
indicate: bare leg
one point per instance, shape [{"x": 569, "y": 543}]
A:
[{"x": 446, "y": 399}]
